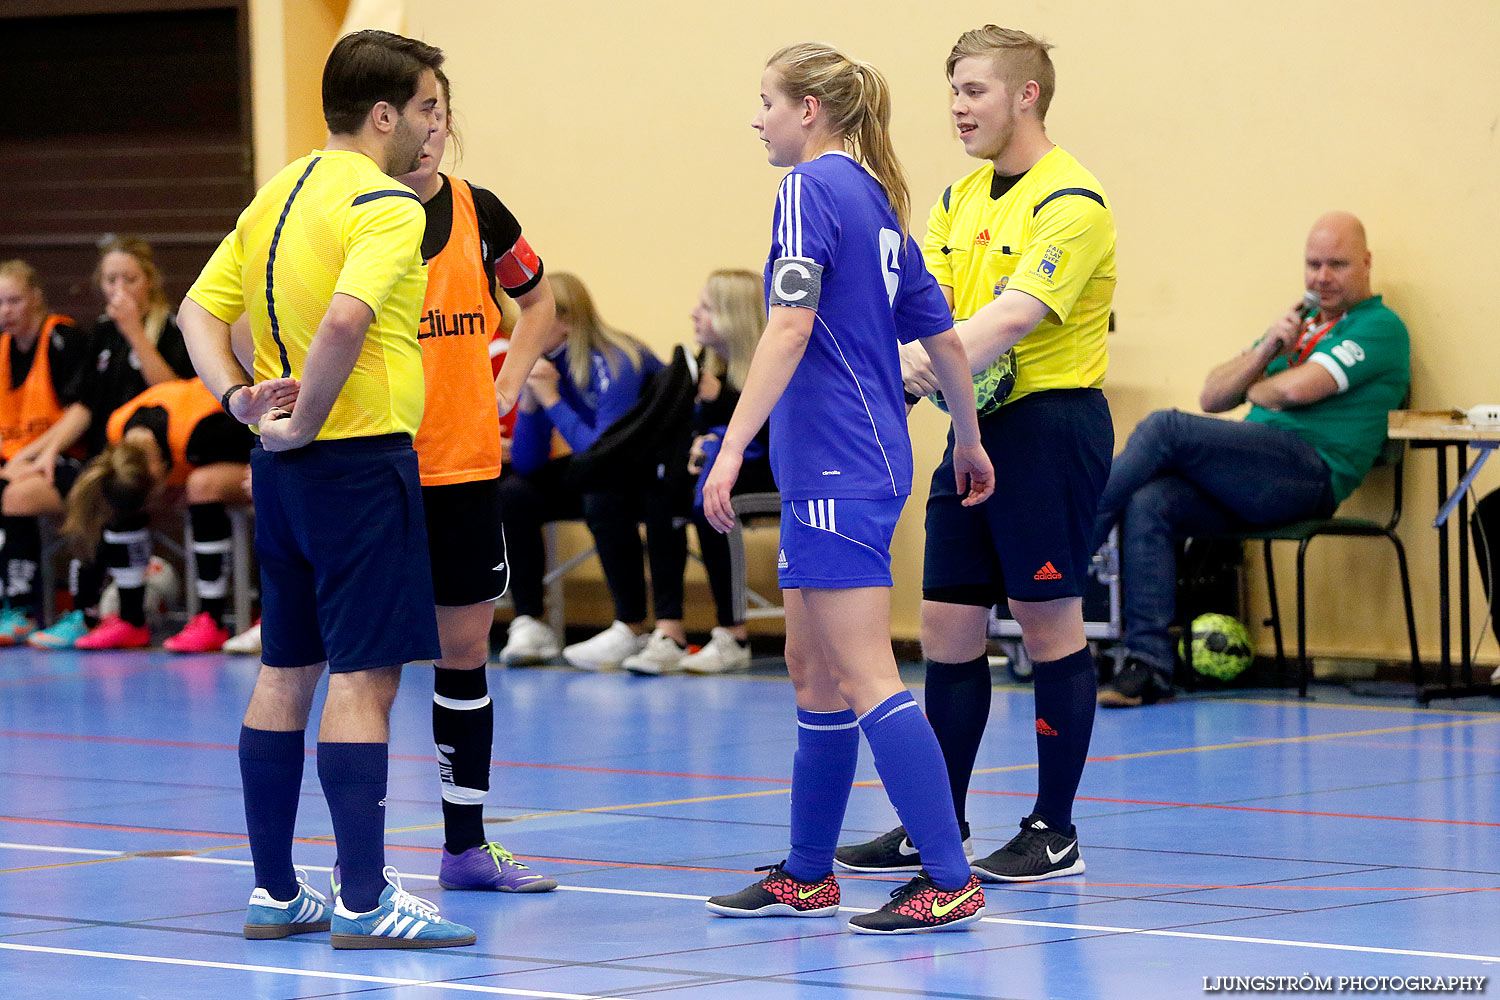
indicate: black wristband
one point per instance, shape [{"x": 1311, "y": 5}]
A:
[{"x": 224, "y": 399}]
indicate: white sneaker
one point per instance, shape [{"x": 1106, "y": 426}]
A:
[
  {"x": 246, "y": 642},
  {"x": 529, "y": 641},
  {"x": 662, "y": 655},
  {"x": 721, "y": 654},
  {"x": 607, "y": 650}
]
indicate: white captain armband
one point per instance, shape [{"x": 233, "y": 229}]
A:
[{"x": 796, "y": 281}]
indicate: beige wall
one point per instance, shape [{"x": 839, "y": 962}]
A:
[
  {"x": 289, "y": 41},
  {"x": 618, "y": 134}
]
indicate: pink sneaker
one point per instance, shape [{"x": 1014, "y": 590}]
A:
[
  {"x": 115, "y": 633},
  {"x": 201, "y": 635}
]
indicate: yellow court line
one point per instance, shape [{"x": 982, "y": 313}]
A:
[
  {"x": 622, "y": 808},
  {"x": 1298, "y": 702},
  {"x": 1272, "y": 741},
  {"x": 1312, "y": 738}
]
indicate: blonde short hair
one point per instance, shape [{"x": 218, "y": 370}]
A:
[{"x": 1016, "y": 56}]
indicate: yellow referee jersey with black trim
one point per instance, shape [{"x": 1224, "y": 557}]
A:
[
  {"x": 330, "y": 222},
  {"x": 1051, "y": 235}
]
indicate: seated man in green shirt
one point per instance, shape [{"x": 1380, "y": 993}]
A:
[{"x": 1320, "y": 381}]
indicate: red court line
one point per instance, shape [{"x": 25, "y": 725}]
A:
[
  {"x": 1256, "y": 809},
  {"x": 311, "y": 752}
]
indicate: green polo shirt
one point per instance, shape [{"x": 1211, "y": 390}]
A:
[{"x": 1369, "y": 356}]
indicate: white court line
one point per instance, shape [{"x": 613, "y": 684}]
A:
[
  {"x": 348, "y": 977},
  {"x": 61, "y": 850},
  {"x": 1101, "y": 928}
]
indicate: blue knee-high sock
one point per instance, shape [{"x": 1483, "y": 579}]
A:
[
  {"x": 354, "y": 781},
  {"x": 911, "y": 767},
  {"x": 271, "y": 771},
  {"x": 822, "y": 774},
  {"x": 1065, "y": 690}
]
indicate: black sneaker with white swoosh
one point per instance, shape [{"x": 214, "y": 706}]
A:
[
  {"x": 920, "y": 905},
  {"x": 1037, "y": 852},
  {"x": 890, "y": 852}
]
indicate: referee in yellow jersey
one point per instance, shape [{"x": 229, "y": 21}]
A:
[
  {"x": 326, "y": 262},
  {"x": 1024, "y": 248}
]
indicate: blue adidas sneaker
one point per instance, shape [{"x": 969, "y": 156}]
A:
[
  {"x": 305, "y": 913},
  {"x": 400, "y": 921}
]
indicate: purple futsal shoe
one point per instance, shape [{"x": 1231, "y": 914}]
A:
[{"x": 492, "y": 868}]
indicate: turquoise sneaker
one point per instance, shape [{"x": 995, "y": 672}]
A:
[
  {"x": 69, "y": 629},
  {"x": 305, "y": 913},
  {"x": 400, "y": 921},
  {"x": 15, "y": 627}
]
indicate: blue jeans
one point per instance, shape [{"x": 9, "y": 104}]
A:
[{"x": 1182, "y": 475}]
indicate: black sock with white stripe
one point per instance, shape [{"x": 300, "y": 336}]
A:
[
  {"x": 463, "y": 727},
  {"x": 20, "y": 557},
  {"x": 127, "y": 553},
  {"x": 210, "y": 523}
]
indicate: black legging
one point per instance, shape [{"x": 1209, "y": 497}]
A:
[
  {"x": 755, "y": 477},
  {"x": 530, "y": 501}
]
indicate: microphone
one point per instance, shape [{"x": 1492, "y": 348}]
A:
[{"x": 1309, "y": 302}]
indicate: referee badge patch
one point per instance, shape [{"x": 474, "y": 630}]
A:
[
  {"x": 1052, "y": 260},
  {"x": 796, "y": 281}
]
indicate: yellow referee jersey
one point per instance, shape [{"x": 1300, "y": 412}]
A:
[
  {"x": 330, "y": 222},
  {"x": 1051, "y": 235}
]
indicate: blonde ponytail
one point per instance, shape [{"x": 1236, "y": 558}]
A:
[{"x": 857, "y": 102}]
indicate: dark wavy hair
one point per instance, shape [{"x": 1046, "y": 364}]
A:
[{"x": 368, "y": 67}]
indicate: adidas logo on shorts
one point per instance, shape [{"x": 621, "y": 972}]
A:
[
  {"x": 1047, "y": 572},
  {"x": 781, "y": 559}
]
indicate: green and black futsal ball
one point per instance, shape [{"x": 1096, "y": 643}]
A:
[
  {"x": 1221, "y": 647},
  {"x": 991, "y": 386}
]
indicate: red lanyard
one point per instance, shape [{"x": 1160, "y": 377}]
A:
[{"x": 1310, "y": 338}]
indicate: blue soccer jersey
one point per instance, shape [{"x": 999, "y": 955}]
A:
[{"x": 839, "y": 429}]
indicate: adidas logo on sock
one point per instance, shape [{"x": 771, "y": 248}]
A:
[
  {"x": 1042, "y": 729},
  {"x": 1047, "y": 572}
]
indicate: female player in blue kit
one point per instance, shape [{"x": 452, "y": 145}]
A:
[{"x": 845, "y": 287}]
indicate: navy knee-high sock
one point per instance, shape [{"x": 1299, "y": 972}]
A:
[
  {"x": 1065, "y": 690},
  {"x": 354, "y": 782},
  {"x": 911, "y": 768},
  {"x": 463, "y": 729},
  {"x": 822, "y": 774},
  {"x": 958, "y": 706},
  {"x": 271, "y": 771}
]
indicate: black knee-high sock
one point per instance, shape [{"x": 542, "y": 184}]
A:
[
  {"x": 127, "y": 552},
  {"x": 958, "y": 706},
  {"x": 86, "y": 583},
  {"x": 1065, "y": 690},
  {"x": 463, "y": 727},
  {"x": 20, "y": 556},
  {"x": 211, "y": 543}
]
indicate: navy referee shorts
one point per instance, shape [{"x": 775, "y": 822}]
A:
[
  {"x": 1032, "y": 540},
  {"x": 342, "y": 543}
]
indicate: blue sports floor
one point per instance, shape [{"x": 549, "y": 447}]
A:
[{"x": 1224, "y": 837}]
